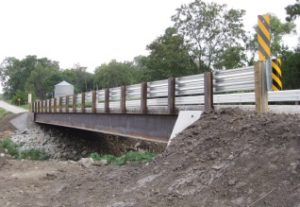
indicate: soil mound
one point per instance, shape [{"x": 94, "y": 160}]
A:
[{"x": 227, "y": 158}]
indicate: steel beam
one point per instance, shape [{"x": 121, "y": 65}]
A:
[{"x": 156, "y": 128}]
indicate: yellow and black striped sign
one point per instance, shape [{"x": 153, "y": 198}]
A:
[
  {"x": 276, "y": 75},
  {"x": 263, "y": 37}
]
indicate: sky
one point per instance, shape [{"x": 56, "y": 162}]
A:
[{"x": 92, "y": 32}]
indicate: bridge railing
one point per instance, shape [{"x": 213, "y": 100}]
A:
[{"x": 235, "y": 86}]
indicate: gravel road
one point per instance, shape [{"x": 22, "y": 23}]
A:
[{"x": 11, "y": 108}]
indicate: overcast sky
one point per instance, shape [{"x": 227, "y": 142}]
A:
[{"x": 91, "y": 32}]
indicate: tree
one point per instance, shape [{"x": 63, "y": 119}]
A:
[
  {"x": 79, "y": 77},
  {"x": 232, "y": 57},
  {"x": 169, "y": 56},
  {"x": 15, "y": 73},
  {"x": 293, "y": 11},
  {"x": 291, "y": 70},
  {"x": 209, "y": 29},
  {"x": 278, "y": 30},
  {"x": 42, "y": 80},
  {"x": 114, "y": 74}
]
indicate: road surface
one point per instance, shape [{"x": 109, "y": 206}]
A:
[{"x": 11, "y": 108}]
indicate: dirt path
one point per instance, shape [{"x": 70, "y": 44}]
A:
[{"x": 11, "y": 108}]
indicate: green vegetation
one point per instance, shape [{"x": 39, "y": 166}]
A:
[
  {"x": 126, "y": 158},
  {"x": 14, "y": 150},
  {"x": 3, "y": 113},
  {"x": 293, "y": 11}
]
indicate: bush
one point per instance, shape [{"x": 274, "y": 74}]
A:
[
  {"x": 124, "y": 159},
  {"x": 14, "y": 150}
]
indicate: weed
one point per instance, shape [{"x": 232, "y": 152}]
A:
[
  {"x": 14, "y": 150},
  {"x": 3, "y": 113},
  {"x": 33, "y": 154},
  {"x": 11, "y": 147},
  {"x": 124, "y": 159}
]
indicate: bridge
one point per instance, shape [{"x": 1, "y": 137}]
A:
[{"x": 149, "y": 111}]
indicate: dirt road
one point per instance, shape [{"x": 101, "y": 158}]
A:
[{"x": 11, "y": 108}]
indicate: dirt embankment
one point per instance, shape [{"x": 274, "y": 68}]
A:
[{"x": 228, "y": 158}]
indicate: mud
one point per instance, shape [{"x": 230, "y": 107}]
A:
[{"x": 229, "y": 158}]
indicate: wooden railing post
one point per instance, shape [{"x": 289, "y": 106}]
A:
[
  {"x": 171, "y": 95},
  {"x": 261, "y": 91},
  {"x": 83, "y": 102},
  {"x": 74, "y": 103},
  {"x": 67, "y": 104},
  {"x": 42, "y": 107},
  {"x": 50, "y": 105},
  {"x": 123, "y": 99},
  {"x": 208, "y": 91},
  {"x": 106, "y": 100},
  {"x": 55, "y": 105},
  {"x": 94, "y": 101},
  {"x": 60, "y": 105},
  {"x": 144, "y": 98}
]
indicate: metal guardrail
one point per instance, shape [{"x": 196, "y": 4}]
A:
[{"x": 233, "y": 86}]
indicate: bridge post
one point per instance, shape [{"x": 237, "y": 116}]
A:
[
  {"x": 50, "y": 105},
  {"x": 94, "y": 101},
  {"x": 42, "y": 106},
  {"x": 67, "y": 104},
  {"x": 55, "y": 105},
  {"x": 171, "y": 95},
  {"x": 106, "y": 100},
  {"x": 38, "y": 107},
  {"x": 261, "y": 90},
  {"x": 208, "y": 91},
  {"x": 123, "y": 99},
  {"x": 83, "y": 102},
  {"x": 144, "y": 98},
  {"x": 74, "y": 103},
  {"x": 60, "y": 105}
]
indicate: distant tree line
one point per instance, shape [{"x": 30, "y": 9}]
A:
[{"x": 205, "y": 36}]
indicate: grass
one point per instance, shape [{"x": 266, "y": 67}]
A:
[
  {"x": 126, "y": 158},
  {"x": 14, "y": 150},
  {"x": 3, "y": 113}
]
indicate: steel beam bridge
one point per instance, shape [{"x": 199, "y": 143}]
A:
[
  {"x": 155, "y": 128},
  {"x": 148, "y": 111}
]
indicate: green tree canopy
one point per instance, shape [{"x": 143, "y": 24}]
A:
[
  {"x": 15, "y": 73},
  {"x": 293, "y": 11},
  {"x": 210, "y": 29},
  {"x": 169, "y": 56},
  {"x": 114, "y": 74},
  {"x": 79, "y": 77},
  {"x": 278, "y": 30}
]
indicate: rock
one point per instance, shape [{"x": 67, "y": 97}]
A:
[
  {"x": 100, "y": 162},
  {"x": 86, "y": 162},
  {"x": 2, "y": 155}
]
